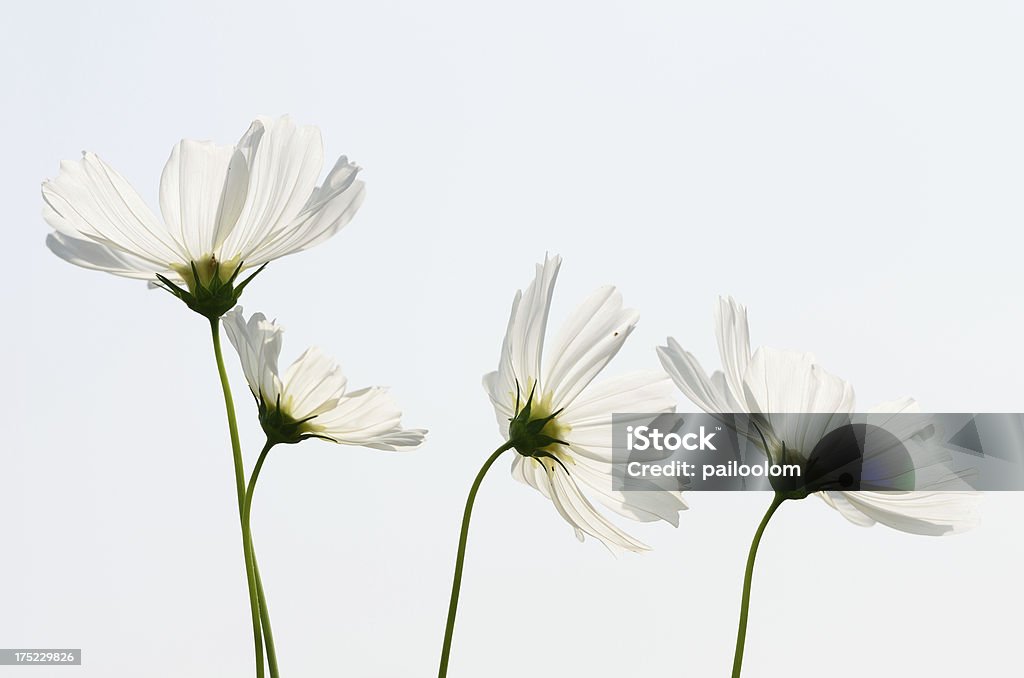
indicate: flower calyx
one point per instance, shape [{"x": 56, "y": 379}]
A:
[
  {"x": 208, "y": 293},
  {"x": 532, "y": 433},
  {"x": 281, "y": 428}
]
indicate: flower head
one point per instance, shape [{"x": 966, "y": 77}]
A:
[
  {"x": 813, "y": 404},
  {"x": 561, "y": 425},
  {"x": 310, "y": 400},
  {"x": 225, "y": 209}
]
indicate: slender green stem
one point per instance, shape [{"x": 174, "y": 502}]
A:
[
  {"x": 236, "y": 450},
  {"x": 268, "y": 635},
  {"x": 741, "y": 633},
  {"x": 457, "y": 580}
]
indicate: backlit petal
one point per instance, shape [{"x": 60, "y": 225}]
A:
[
  {"x": 192, "y": 193},
  {"x": 369, "y": 417},
  {"x": 588, "y": 340},
  {"x": 89, "y": 200}
]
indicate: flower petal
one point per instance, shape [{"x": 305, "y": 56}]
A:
[
  {"x": 258, "y": 344},
  {"x": 529, "y": 471},
  {"x": 192, "y": 194},
  {"x": 917, "y": 435},
  {"x": 589, "y": 417},
  {"x": 369, "y": 418},
  {"x": 642, "y": 505},
  {"x": 236, "y": 186},
  {"x": 924, "y": 513},
  {"x": 585, "y": 344},
  {"x": 691, "y": 379},
  {"x": 312, "y": 385},
  {"x": 577, "y": 510},
  {"x": 89, "y": 200},
  {"x": 718, "y": 381},
  {"x": 502, "y": 400},
  {"x": 282, "y": 175},
  {"x": 790, "y": 382},
  {"x": 839, "y": 502},
  {"x": 329, "y": 209},
  {"x": 88, "y": 254},
  {"x": 733, "y": 336},
  {"x": 642, "y": 391},
  {"x": 521, "y": 349}
]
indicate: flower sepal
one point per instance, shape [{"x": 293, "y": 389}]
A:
[
  {"x": 794, "y": 488},
  {"x": 526, "y": 431},
  {"x": 208, "y": 294},
  {"x": 282, "y": 429}
]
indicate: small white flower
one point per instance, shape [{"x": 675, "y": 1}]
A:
[
  {"x": 222, "y": 206},
  {"x": 310, "y": 399},
  {"x": 574, "y": 447},
  {"x": 773, "y": 381}
]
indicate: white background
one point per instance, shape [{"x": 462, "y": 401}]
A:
[{"x": 850, "y": 172}]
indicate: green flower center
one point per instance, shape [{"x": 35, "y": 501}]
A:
[
  {"x": 210, "y": 288},
  {"x": 281, "y": 427},
  {"x": 535, "y": 430}
]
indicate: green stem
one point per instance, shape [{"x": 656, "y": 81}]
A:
[
  {"x": 460, "y": 558},
  {"x": 741, "y": 633},
  {"x": 236, "y": 451},
  {"x": 268, "y": 634}
]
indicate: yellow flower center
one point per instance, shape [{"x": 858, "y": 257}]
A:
[{"x": 209, "y": 269}]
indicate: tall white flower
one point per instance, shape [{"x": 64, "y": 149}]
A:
[
  {"x": 559, "y": 424},
  {"x": 778, "y": 382},
  {"x": 311, "y": 400},
  {"x": 225, "y": 209}
]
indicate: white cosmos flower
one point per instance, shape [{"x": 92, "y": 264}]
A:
[
  {"x": 222, "y": 205},
  {"x": 311, "y": 398},
  {"x": 582, "y": 414},
  {"x": 773, "y": 381}
]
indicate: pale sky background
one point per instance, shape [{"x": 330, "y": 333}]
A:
[{"x": 852, "y": 172}]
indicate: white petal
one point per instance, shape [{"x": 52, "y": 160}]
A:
[
  {"x": 917, "y": 435},
  {"x": 791, "y": 383},
  {"x": 501, "y": 400},
  {"x": 839, "y": 502},
  {"x": 531, "y": 472},
  {"x": 642, "y": 505},
  {"x": 720, "y": 385},
  {"x": 733, "y": 343},
  {"x": 551, "y": 480},
  {"x": 329, "y": 209},
  {"x": 925, "y": 513},
  {"x": 642, "y": 391},
  {"x": 589, "y": 418},
  {"x": 369, "y": 418},
  {"x": 903, "y": 405},
  {"x": 88, "y": 254},
  {"x": 236, "y": 187},
  {"x": 588, "y": 340},
  {"x": 192, "y": 192},
  {"x": 312, "y": 385},
  {"x": 89, "y": 200},
  {"x": 691, "y": 379},
  {"x": 258, "y": 344},
  {"x": 519, "y": 364},
  {"x": 282, "y": 176},
  {"x": 577, "y": 510}
]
